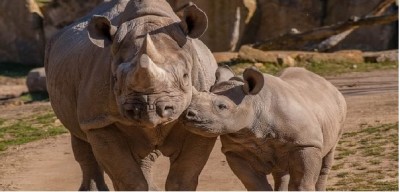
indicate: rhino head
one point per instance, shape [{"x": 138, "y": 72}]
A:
[
  {"x": 152, "y": 59},
  {"x": 230, "y": 107}
]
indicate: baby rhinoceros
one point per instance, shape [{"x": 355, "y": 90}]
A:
[{"x": 288, "y": 126}]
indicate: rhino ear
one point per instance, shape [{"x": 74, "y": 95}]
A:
[
  {"x": 253, "y": 81},
  {"x": 194, "y": 21},
  {"x": 101, "y": 32},
  {"x": 223, "y": 73}
]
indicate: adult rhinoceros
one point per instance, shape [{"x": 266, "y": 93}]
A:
[{"x": 118, "y": 79}]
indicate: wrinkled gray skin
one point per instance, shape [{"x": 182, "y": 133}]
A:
[
  {"x": 118, "y": 79},
  {"x": 288, "y": 126}
]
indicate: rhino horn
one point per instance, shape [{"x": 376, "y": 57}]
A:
[
  {"x": 149, "y": 49},
  {"x": 147, "y": 64}
]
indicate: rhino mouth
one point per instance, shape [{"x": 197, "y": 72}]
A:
[
  {"x": 201, "y": 128},
  {"x": 197, "y": 122},
  {"x": 150, "y": 110}
]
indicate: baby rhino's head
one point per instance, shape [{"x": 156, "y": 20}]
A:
[{"x": 229, "y": 108}]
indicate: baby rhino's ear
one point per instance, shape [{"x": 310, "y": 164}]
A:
[{"x": 253, "y": 81}]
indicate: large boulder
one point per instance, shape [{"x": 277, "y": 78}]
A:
[
  {"x": 21, "y": 36},
  {"x": 36, "y": 80},
  {"x": 60, "y": 13},
  {"x": 380, "y": 37},
  {"x": 227, "y": 20},
  {"x": 278, "y": 17}
]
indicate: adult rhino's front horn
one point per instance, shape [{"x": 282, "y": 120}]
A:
[{"x": 147, "y": 74}]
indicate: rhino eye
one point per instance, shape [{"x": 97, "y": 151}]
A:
[
  {"x": 185, "y": 81},
  {"x": 222, "y": 106}
]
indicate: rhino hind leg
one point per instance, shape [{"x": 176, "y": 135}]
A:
[
  {"x": 304, "y": 168},
  {"x": 92, "y": 174},
  {"x": 327, "y": 163}
]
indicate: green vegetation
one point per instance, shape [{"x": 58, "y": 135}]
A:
[
  {"x": 43, "y": 2},
  {"x": 324, "y": 69},
  {"x": 367, "y": 159},
  {"x": 2, "y": 121},
  {"x": 24, "y": 130},
  {"x": 37, "y": 96}
]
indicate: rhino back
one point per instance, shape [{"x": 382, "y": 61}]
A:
[
  {"x": 307, "y": 108},
  {"x": 71, "y": 62},
  {"x": 204, "y": 67}
]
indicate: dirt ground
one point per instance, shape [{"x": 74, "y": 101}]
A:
[{"x": 48, "y": 164}]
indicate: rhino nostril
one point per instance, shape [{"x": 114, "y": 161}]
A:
[
  {"x": 165, "y": 111},
  {"x": 168, "y": 111},
  {"x": 191, "y": 114},
  {"x": 169, "y": 108}
]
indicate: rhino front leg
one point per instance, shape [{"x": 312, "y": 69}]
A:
[
  {"x": 252, "y": 179},
  {"x": 114, "y": 154},
  {"x": 281, "y": 180},
  {"x": 92, "y": 174},
  {"x": 304, "y": 168},
  {"x": 147, "y": 168},
  {"x": 187, "y": 164}
]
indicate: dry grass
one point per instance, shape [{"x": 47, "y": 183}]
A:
[{"x": 367, "y": 160}]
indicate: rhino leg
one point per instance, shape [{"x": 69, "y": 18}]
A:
[
  {"x": 281, "y": 180},
  {"x": 113, "y": 153},
  {"x": 187, "y": 164},
  {"x": 146, "y": 165},
  {"x": 304, "y": 168},
  {"x": 92, "y": 174},
  {"x": 252, "y": 179},
  {"x": 327, "y": 163}
]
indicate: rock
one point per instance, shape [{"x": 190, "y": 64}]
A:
[
  {"x": 60, "y": 13},
  {"x": 286, "y": 61},
  {"x": 221, "y": 57},
  {"x": 290, "y": 58},
  {"x": 381, "y": 56},
  {"x": 227, "y": 20},
  {"x": 12, "y": 102},
  {"x": 285, "y": 58},
  {"x": 347, "y": 56},
  {"x": 258, "y": 65},
  {"x": 369, "y": 38},
  {"x": 36, "y": 80},
  {"x": 274, "y": 18},
  {"x": 21, "y": 37},
  {"x": 12, "y": 91},
  {"x": 255, "y": 55}
]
